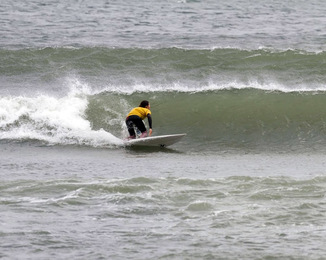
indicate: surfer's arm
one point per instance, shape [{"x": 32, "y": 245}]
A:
[{"x": 149, "y": 117}]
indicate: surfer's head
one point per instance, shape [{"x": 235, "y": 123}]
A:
[{"x": 144, "y": 103}]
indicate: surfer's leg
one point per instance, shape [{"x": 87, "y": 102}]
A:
[
  {"x": 141, "y": 127},
  {"x": 138, "y": 122},
  {"x": 131, "y": 130}
]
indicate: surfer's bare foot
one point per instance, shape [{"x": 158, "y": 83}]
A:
[{"x": 144, "y": 134}]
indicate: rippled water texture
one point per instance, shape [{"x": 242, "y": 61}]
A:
[{"x": 198, "y": 24}]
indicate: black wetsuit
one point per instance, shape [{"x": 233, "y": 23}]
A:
[{"x": 134, "y": 120}]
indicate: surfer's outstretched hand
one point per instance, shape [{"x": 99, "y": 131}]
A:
[{"x": 150, "y": 132}]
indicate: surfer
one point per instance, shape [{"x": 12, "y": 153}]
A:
[{"x": 136, "y": 117}]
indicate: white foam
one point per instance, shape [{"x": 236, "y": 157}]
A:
[
  {"x": 212, "y": 86},
  {"x": 51, "y": 119}
]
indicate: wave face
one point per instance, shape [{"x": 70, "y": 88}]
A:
[
  {"x": 248, "y": 118},
  {"x": 222, "y": 98},
  {"x": 239, "y": 119}
]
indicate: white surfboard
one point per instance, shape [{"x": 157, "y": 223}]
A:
[{"x": 155, "y": 141}]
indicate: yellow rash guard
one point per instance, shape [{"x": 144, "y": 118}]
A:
[{"x": 142, "y": 112}]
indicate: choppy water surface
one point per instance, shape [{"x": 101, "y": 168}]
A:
[{"x": 199, "y": 24}]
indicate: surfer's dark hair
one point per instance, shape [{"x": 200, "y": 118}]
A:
[{"x": 144, "y": 103}]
